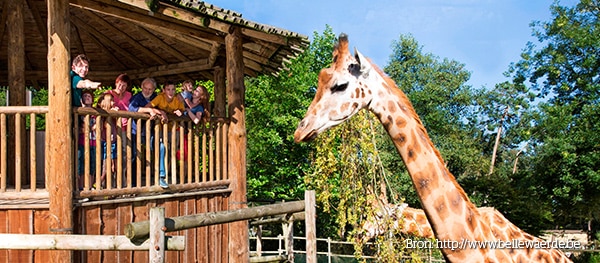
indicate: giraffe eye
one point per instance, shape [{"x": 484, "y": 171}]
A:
[{"x": 339, "y": 87}]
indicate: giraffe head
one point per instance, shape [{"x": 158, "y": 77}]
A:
[{"x": 342, "y": 91}]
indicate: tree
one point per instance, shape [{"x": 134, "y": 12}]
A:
[
  {"x": 275, "y": 105},
  {"x": 565, "y": 73},
  {"x": 437, "y": 90}
]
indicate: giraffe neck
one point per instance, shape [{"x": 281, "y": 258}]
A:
[{"x": 449, "y": 211}]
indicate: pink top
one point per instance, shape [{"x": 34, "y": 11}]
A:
[{"x": 122, "y": 104}]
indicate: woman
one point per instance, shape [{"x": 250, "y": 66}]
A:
[{"x": 121, "y": 95}]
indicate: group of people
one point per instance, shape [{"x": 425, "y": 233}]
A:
[{"x": 192, "y": 101}]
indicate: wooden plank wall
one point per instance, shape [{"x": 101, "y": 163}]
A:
[{"x": 205, "y": 244}]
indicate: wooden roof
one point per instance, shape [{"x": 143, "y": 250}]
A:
[{"x": 175, "y": 40}]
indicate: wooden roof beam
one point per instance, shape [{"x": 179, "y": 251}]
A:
[
  {"x": 157, "y": 71},
  {"x": 214, "y": 54},
  {"x": 277, "y": 39},
  {"x": 130, "y": 10},
  {"x": 41, "y": 23},
  {"x": 193, "y": 41},
  {"x": 154, "y": 39},
  {"x": 105, "y": 41},
  {"x": 3, "y": 19},
  {"x": 76, "y": 40},
  {"x": 142, "y": 49}
]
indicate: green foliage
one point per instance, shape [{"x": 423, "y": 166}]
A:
[
  {"x": 3, "y": 98},
  {"x": 347, "y": 172},
  {"x": 446, "y": 106},
  {"x": 565, "y": 74},
  {"x": 39, "y": 98},
  {"x": 274, "y": 106}
]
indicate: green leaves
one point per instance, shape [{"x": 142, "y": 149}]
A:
[
  {"x": 274, "y": 106},
  {"x": 565, "y": 73}
]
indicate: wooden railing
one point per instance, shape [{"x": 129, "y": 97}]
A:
[
  {"x": 195, "y": 155},
  {"x": 18, "y": 127}
]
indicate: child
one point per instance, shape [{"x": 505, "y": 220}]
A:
[
  {"x": 79, "y": 69},
  {"x": 187, "y": 89},
  {"x": 198, "y": 105},
  {"x": 87, "y": 98},
  {"x": 166, "y": 102},
  {"x": 107, "y": 103}
]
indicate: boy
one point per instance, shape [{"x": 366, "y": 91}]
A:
[
  {"x": 166, "y": 102},
  {"x": 79, "y": 69}
]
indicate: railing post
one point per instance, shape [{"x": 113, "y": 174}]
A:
[
  {"x": 311, "y": 228},
  {"x": 259, "y": 241},
  {"x": 157, "y": 235},
  {"x": 288, "y": 237}
]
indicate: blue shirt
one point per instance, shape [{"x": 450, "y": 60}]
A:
[{"x": 138, "y": 100}]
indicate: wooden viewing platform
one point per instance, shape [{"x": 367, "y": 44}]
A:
[
  {"x": 198, "y": 181},
  {"x": 165, "y": 40}
]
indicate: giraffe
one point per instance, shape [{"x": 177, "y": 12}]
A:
[
  {"x": 352, "y": 83},
  {"x": 406, "y": 220},
  {"x": 413, "y": 221}
]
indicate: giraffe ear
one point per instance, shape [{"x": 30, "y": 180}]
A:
[{"x": 365, "y": 65}]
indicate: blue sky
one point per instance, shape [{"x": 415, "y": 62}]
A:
[{"x": 485, "y": 35}]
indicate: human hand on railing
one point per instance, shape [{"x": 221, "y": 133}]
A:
[{"x": 178, "y": 113}]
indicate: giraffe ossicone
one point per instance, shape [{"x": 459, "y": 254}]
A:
[{"x": 353, "y": 83}]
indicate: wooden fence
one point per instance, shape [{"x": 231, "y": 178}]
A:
[{"x": 150, "y": 234}]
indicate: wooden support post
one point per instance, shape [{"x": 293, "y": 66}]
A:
[
  {"x": 157, "y": 234},
  {"x": 16, "y": 87},
  {"x": 220, "y": 94},
  {"x": 238, "y": 231},
  {"x": 59, "y": 123},
  {"x": 311, "y": 226}
]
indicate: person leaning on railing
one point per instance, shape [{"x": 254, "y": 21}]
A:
[
  {"x": 107, "y": 103},
  {"x": 138, "y": 103},
  {"x": 79, "y": 70},
  {"x": 87, "y": 98},
  {"x": 166, "y": 102}
]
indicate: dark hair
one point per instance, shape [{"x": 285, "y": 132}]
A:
[
  {"x": 80, "y": 58},
  {"x": 124, "y": 78},
  {"x": 169, "y": 82},
  {"x": 85, "y": 91}
]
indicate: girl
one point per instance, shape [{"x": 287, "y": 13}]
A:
[
  {"x": 108, "y": 132},
  {"x": 199, "y": 104}
]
